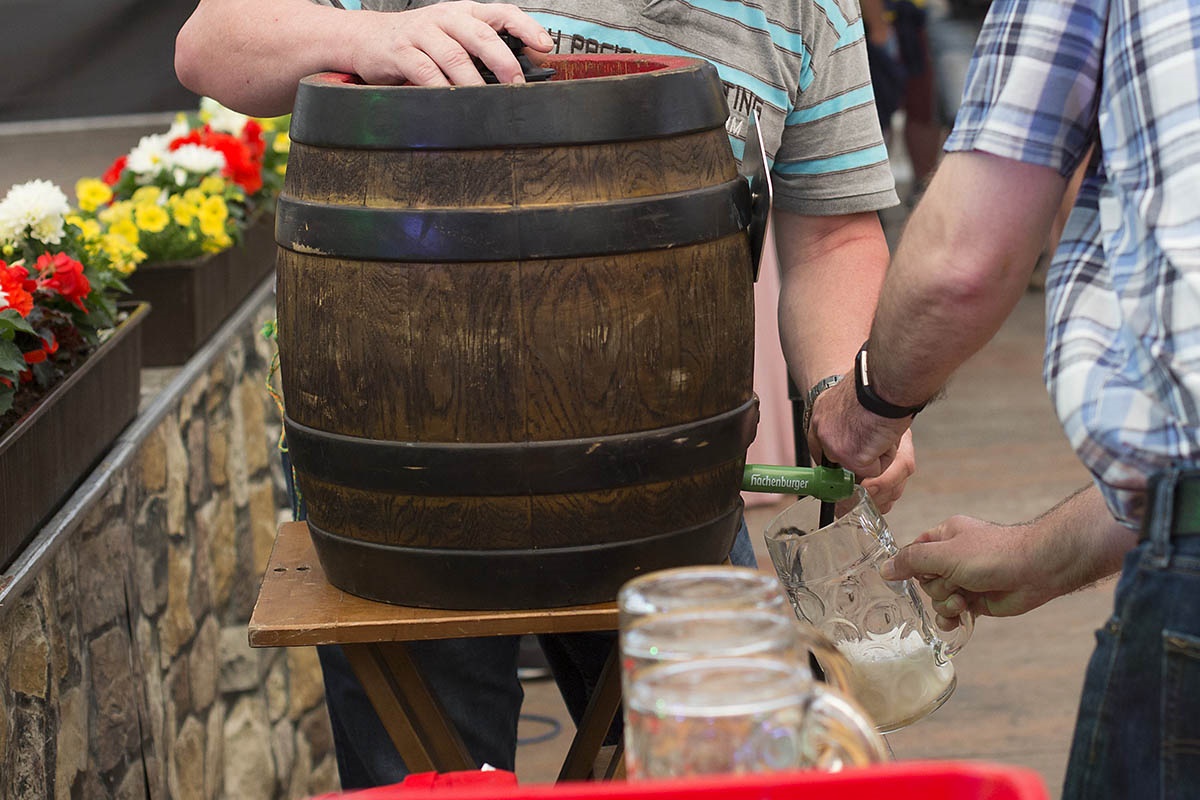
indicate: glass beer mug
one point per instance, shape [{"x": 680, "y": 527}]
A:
[
  {"x": 722, "y": 590},
  {"x": 736, "y": 716},
  {"x": 900, "y": 665}
]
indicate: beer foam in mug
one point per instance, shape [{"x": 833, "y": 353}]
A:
[{"x": 895, "y": 677}]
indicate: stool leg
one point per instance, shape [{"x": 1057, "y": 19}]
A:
[
  {"x": 413, "y": 718},
  {"x": 597, "y": 719}
]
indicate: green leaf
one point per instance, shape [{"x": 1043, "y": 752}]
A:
[
  {"x": 10, "y": 319},
  {"x": 12, "y": 361}
]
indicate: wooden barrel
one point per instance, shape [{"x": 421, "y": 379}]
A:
[{"x": 516, "y": 331}]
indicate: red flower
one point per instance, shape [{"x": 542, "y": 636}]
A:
[
  {"x": 63, "y": 274},
  {"x": 240, "y": 164},
  {"x": 13, "y": 293},
  {"x": 253, "y": 139},
  {"x": 114, "y": 172},
  {"x": 35, "y": 356}
]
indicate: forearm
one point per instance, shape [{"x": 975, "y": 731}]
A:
[
  {"x": 963, "y": 263},
  {"x": 1083, "y": 543},
  {"x": 831, "y": 270},
  {"x": 250, "y": 56}
]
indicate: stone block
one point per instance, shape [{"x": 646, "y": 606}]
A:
[
  {"x": 202, "y": 664},
  {"x": 198, "y": 479},
  {"x": 31, "y": 749},
  {"x": 185, "y": 765},
  {"x": 219, "y": 451},
  {"x": 178, "y": 469},
  {"x": 219, "y": 517},
  {"x": 176, "y": 626},
  {"x": 104, "y": 559},
  {"x": 28, "y": 666},
  {"x": 71, "y": 750},
  {"x": 262, "y": 523},
  {"x": 240, "y": 670},
  {"x": 307, "y": 685},
  {"x": 250, "y": 770},
  {"x": 214, "y": 754},
  {"x": 114, "y": 732},
  {"x": 152, "y": 463}
]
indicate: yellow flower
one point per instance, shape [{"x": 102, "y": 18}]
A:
[
  {"x": 194, "y": 196},
  {"x": 117, "y": 212},
  {"x": 89, "y": 228},
  {"x": 126, "y": 229},
  {"x": 213, "y": 210},
  {"x": 184, "y": 213},
  {"x": 213, "y": 184},
  {"x": 217, "y": 242},
  {"x": 151, "y": 217},
  {"x": 147, "y": 194},
  {"x": 123, "y": 256},
  {"x": 281, "y": 143},
  {"x": 92, "y": 193}
]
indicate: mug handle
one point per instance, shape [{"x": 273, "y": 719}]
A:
[
  {"x": 837, "y": 733},
  {"x": 954, "y": 641},
  {"x": 950, "y": 643}
]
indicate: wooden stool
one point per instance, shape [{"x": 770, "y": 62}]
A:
[{"x": 297, "y": 607}]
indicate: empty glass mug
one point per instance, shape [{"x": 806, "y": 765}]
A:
[
  {"x": 900, "y": 669},
  {"x": 706, "y": 586},
  {"x": 721, "y": 716},
  {"x": 768, "y": 625}
]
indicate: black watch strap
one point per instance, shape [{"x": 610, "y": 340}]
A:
[{"x": 871, "y": 401}]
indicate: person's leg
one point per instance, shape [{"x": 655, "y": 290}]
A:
[
  {"x": 951, "y": 39},
  {"x": 475, "y": 682},
  {"x": 1138, "y": 726},
  {"x": 576, "y": 659},
  {"x": 922, "y": 133}
]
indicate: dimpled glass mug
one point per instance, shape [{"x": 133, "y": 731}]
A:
[
  {"x": 900, "y": 667},
  {"x": 734, "y": 716},
  {"x": 693, "y": 615},
  {"x": 721, "y": 589}
]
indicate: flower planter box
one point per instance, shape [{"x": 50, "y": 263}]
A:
[
  {"x": 46, "y": 455},
  {"x": 190, "y": 299}
]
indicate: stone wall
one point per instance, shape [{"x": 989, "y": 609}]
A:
[{"x": 124, "y": 664}]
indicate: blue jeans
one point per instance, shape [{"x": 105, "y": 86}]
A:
[
  {"x": 475, "y": 680},
  {"x": 1138, "y": 730}
]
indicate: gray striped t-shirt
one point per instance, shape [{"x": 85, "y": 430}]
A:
[{"x": 801, "y": 64}]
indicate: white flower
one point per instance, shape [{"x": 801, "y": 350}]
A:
[
  {"x": 37, "y": 205},
  {"x": 221, "y": 118},
  {"x": 179, "y": 127},
  {"x": 146, "y": 159},
  {"x": 196, "y": 159}
]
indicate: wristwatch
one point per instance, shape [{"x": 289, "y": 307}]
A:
[
  {"x": 868, "y": 399},
  {"x": 813, "y": 393}
]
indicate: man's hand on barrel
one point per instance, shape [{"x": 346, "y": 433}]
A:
[{"x": 433, "y": 46}]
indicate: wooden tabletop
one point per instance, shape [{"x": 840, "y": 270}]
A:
[{"x": 297, "y": 606}]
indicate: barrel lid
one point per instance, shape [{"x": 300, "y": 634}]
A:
[{"x": 591, "y": 99}]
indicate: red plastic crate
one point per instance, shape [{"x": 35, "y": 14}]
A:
[{"x": 909, "y": 780}]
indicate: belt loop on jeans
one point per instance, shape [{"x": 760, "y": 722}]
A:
[{"x": 1173, "y": 509}]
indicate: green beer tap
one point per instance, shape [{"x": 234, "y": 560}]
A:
[{"x": 828, "y": 484}]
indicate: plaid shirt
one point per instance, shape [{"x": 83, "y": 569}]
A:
[{"x": 1123, "y": 293}]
